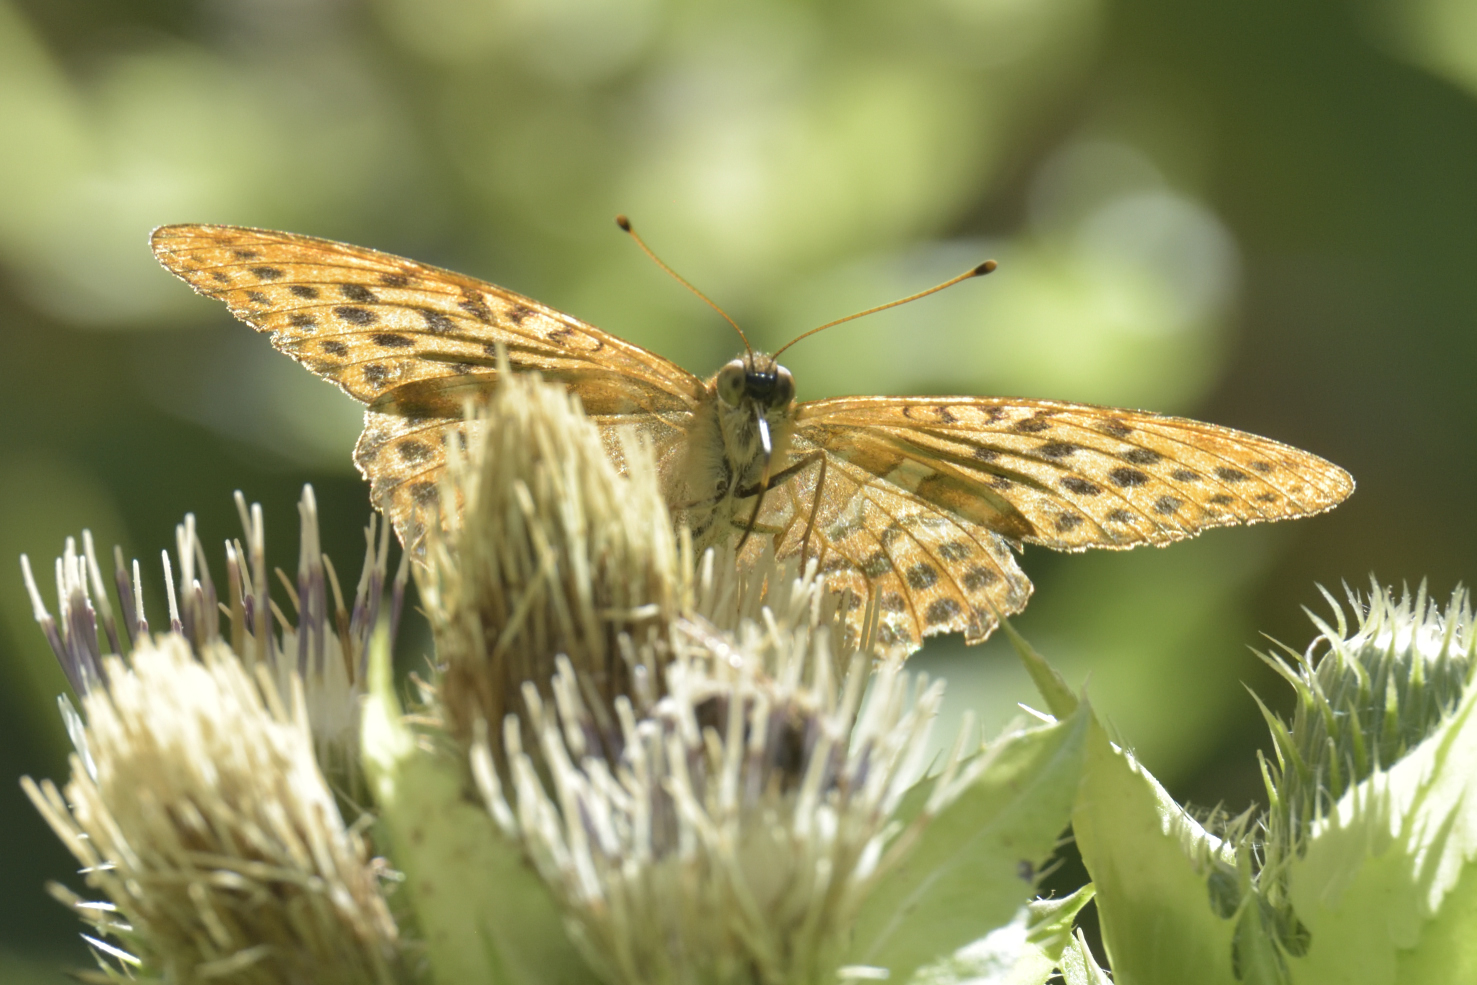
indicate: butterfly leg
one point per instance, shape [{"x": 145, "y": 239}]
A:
[
  {"x": 784, "y": 475},
  {"x": 815, "y": 505}
]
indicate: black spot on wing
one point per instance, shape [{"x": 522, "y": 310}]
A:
[
  {"x": 413, "y": 452},
  {"x": 1035, "y": 423},
  {"x": 1080, "y": 486},
  {"x": 921, "y": 575},
  {"x": 877, "y": 565},
  {"x": 436, "y": 321},
  {"x": 1056, "y": 450},
  {"x": 357, "y": 292},
  {"x": 266, "y": 273},
  {"x": 307, "y": 291},
  {"x": 355, "y": 316},
  {"x": 955, "y": 550},
  {"x": 473, "y": 305},
  {"x": 941, "y": 611},
  {"x": 977, "y": 578},
  {"x": 1124, "y": 478}
]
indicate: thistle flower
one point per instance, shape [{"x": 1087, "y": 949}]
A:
[
  {"x": 682, "y": 751},
  {"x": 1365, "y": 698},
  {"x": 1360, "y": 870},
  {"x": 550, "y": 552},
  {"x": 326, "y": 650},
  {"x": 198, "y": 803},
  {"x": 197, "y": 807},
  {"x": 747, "y": 812}
]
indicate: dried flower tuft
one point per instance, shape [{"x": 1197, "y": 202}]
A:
[
  {"x": 551, "y": 552},
  {"x": 197, "y": 807},
  {"x": 734, "y": 832},
  {"x": 678, "y": 748},
  {"x": 325, "y": 648}
]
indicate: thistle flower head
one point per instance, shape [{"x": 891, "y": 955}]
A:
[
  {"x": 1366, "y": 694},
  {"x": 681, "y": 750},
  {"x": 197, "y": 807},
  {"x": 324, "y": 647},
  {"x": 747, "y": 811},
  {"x": 552, "y": 551}
]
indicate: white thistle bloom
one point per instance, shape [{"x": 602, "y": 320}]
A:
[
  {"x": 684, "y": 755},
  {"x": 197, "y": 807},
  {"x": 737, "y": 830},
  {"x": 325, "y": 648}
]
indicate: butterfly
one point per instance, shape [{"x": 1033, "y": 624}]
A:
[{"x": 917, "y": 504}]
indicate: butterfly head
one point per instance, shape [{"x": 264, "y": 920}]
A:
[
  {"x": 756, "y": 397},
  {"x": 755, "y": 381}
]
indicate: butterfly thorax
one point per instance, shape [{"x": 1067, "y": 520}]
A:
[{"x": 742, "y": 424}]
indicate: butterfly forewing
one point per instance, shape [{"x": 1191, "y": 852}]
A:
[
  {"x": 1074, "y": 476},
  {"x": 414, "y": 342}
]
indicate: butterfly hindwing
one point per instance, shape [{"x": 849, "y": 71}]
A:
[{"x": 929, "y": 569}]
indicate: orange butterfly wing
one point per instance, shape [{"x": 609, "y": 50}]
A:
[
  {"x": 922, "y": 498},
  {"x": 413, "y": 342}
]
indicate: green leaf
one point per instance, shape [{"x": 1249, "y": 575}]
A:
[
  {"x": 1023, "y": 952},
  {"x": 484, "y": 913},
  {"x": 1150, "y": 861},
  {"x": 1079, "y": 967},
  {"x": 974, "y": 865},
  {"x": 1060, "y": 700},
  {"x": 1387, "y": 885}
]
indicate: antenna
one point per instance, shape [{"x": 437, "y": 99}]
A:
[
  {"x": 980, "y": 271},
  {"x": 625, "y": 225}
]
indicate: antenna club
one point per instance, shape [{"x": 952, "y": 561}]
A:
[
  {"x": 623, "y": 222},
  {"x": 988, "y": 267}
]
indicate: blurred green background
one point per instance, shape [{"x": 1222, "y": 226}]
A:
[{"x": 1262, "y": 214}]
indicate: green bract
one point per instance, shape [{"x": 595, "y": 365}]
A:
[{"x": 1359, "y": 872}]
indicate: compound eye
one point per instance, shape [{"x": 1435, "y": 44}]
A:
[
  {"x": 731, "y": 383},
  {"x": 784, "y": 387}
]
